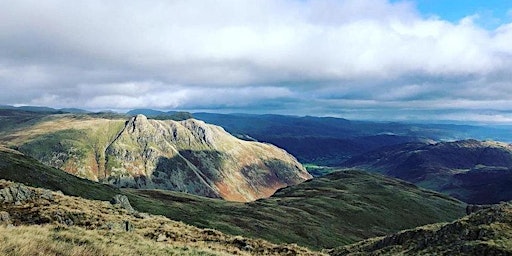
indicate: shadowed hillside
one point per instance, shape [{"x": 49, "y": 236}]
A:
[{"x": 470, "y": 170}]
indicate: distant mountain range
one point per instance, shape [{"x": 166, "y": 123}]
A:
[
  {"x": 329, "y": 140},
  {"x": 470, "y": 170},
  {"x": 44, "y": 109}
]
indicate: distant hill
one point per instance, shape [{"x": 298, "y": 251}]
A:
[
  {"x": 486, "y": 232},
  {"x": 188, "y": 156},
  {"x": 45, "y": 109},
  {"x": 330, "y": 141},
  {"x": 335, "y": 210},
  {"x": 161, "y": 115},
  {"x": 472, "y": 171}
]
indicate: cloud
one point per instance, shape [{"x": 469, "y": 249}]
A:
[{"x": 288, "y": 54}]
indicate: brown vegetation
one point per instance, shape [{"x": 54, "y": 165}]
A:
[{"x": 49, "y": 223}]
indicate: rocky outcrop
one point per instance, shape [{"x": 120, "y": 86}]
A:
[
  {"x": 20, "y": 193},
  {"x": 4, "y": 217},
  {"x": 122, "y": 201},
  {"x": 194, "y": 157},
  {"x": 471, "y": 208},
  {"x": 485, "y": 232}
]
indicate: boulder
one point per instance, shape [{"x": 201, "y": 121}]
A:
[
  {"x": 16, "y": 193},
  {"x": 4, "y": 217},
  {"x": 122, "y": 201}
]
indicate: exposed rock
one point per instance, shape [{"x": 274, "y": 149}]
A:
[
  {"x": 485, "y": 232},
  {"x": 128, "y": 226},
  {"x": 186, "y": 156},
  {"x": 4, "y": 217},
  {"x": 16, "y": 193},
  {"x": 47, "y": 194},
  {"x": 194, "y": 157},
  {"x": 471, "y": 208},
  {"x": 141, "y": 215},
  {"x": 123, "y": 201}
]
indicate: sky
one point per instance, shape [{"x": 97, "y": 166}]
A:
[{"x": 416, "y": 60}]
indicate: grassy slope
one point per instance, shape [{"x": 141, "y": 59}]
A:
[
  {"x": 41, "y": 226},
  {"x": 486, "y": 232},
  {"x": 337, "y": 209},
  {"x": 331, "y": 211}
]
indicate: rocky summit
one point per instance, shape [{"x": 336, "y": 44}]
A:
[{"x": 187, "y": 156}]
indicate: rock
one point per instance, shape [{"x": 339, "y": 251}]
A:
[
  {"x": 123, "y": 201},
  {"x": 141, "y": 215},
  {"x": 16, "y": 193},
  {"x": 161, "y": 238},
  {"x": 471, "y": 208},
  {"x": 4, "y": 217},
  {"x": 46, "y": 194},
  {"x": 128, "y": 226}
]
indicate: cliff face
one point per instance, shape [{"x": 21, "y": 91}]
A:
[{"x": 188, "y": 156}]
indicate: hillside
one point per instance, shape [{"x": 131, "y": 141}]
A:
[
  {"x": 472, "y": 171},
  {"x": 325, "y": 212},
  {"x": 486, "y": 232},
  {"x": 335, "y": 210},
  {"x": 41, "y": 222},
  {"x": 187, "y": 156}
]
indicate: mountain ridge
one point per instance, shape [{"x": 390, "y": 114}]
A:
[{"x": 189, "y": 155}]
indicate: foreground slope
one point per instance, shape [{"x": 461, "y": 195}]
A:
[
  {"x": 472, "y": 171},
  {"x": 42, "y": 222},
  {"x": 322, "y": 213},
  {"x": 187, "y": 156},
  {"x": 486, "y": 232}
]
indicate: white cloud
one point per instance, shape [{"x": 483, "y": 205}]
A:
[{"x": 186, "y": 54}]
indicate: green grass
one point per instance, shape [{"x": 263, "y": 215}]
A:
[
  {"x": 318, "y": 171},
  {"x": 337, "y": 209},
  {"x": 331, "y": 211},
  {"x": 486, "y": 232}
]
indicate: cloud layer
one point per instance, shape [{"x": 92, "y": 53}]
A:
[{"x": 353, "y": 58}]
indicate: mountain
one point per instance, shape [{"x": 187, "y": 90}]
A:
[
  {"x": 43, "y": 109},
  {"x": 35, "y": 221},
  {"x": 188, "y": 156},
  {"x": 486, "y": 232},
  {"x": 470, "y": 170},
  {"x": 326, "y": 212},
  {"x": 330, "y": 141},
  {"x": 161, "y": 115}
]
